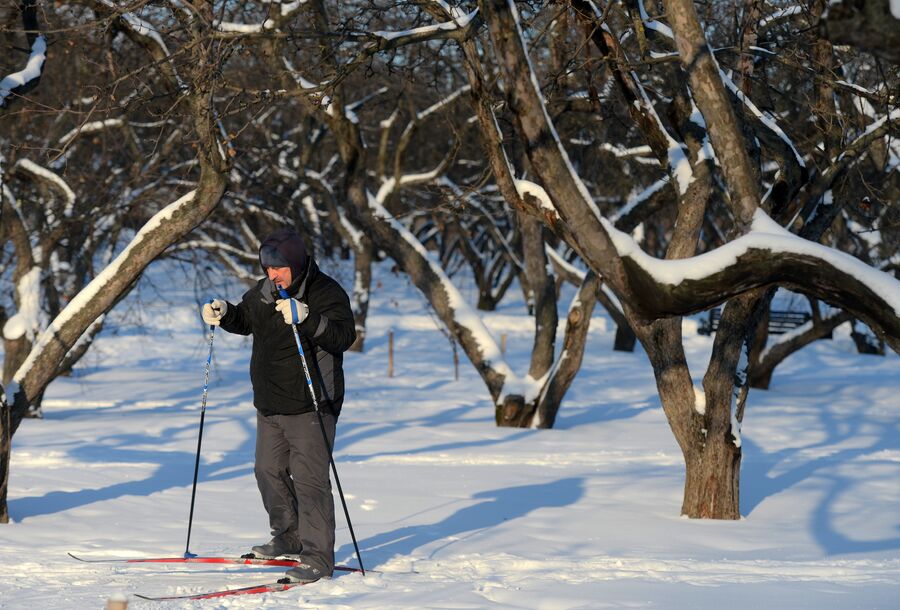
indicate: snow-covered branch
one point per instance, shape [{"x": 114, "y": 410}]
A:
[
  {"x": 653, "y": 288},
  {"x": 148, "y": 36},
  {"x": 271, "y": 22},
  {"x": 459, "y": 27},
  {"x": 781, "y": 14},
  {"x": 41, "y": 173},
  {"x": 19, "y": 82}
]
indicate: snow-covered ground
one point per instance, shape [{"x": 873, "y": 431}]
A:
[{"x": 453, "y": 511}]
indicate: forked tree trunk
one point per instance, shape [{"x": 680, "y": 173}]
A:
[
  {"x": 578, "y": 322},
  {"x": 514, "y": 411},
  {"x": 712, "y": 459}
]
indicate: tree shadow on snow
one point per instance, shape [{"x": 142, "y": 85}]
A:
[
  {"x": 575, "y": 417},
  {"x": 173, "y": 468},
  {"x": 350, "y": 436},
  {"x": 492, "y": 508},
  {"x": 828, "y": 460}
]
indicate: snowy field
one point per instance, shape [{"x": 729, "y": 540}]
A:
[{"x": 453, "y": 512}]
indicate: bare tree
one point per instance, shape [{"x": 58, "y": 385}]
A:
[
  {"x": 193, "y": 84},
  {"x": 707, "y": 431}
]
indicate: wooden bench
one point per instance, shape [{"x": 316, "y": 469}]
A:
[{"x": 780, "y": 322}]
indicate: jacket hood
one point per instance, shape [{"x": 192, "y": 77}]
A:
[{"x": 285, "y": 248}]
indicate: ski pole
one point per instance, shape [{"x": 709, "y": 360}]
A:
[
  {"x": 187, "y": 545},
  {"x": 312, "y": 393}
]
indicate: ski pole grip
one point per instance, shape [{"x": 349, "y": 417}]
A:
[
  {"x": 284, "y": 295},
  {"x": 212, "y": 327}
]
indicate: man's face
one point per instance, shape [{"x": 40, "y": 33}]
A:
[{"x": 280, "y": 276}]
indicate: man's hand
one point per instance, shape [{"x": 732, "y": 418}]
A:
[
  {"x": 293, "y": 311},
  {"x": 214, "y": 311}
]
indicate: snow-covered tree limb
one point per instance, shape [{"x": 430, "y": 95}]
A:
[
  {"x": 765, "y": 257},
  {"x": 22, "y": 81}
]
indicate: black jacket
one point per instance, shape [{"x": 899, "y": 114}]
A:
[{"x": 279, "y": 385}]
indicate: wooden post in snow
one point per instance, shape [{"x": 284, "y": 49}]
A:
[
  {"x": 390, "y": 353},
  {"x": 117, "y": 602}
]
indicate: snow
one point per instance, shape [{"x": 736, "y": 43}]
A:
[
  {"x": 527, "y": 187},
  {"x": 652, "y": 24},
  {"x": 286, "y": 8},
  {"x": 453, "y": 511},
  {"x": 30, "y": 72},
  {"x": 679, "y": 165},
  {"x": 90, "y": 127},
  {"x": 245, "y": 28},
  {"x": 780, "y": 14},
  {"x": 619, "y": 151},
  {"x": 765, "y": 234},
  {"x": 27, "y": 320},
  {"x": 892, "y": 117},
  {"x": 699, "y": 400},
  {"x": 437, "y": 106},
  {"x": 635, "y": 200}
]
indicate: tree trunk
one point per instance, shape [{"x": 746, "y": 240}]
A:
[
  {"x": 712, "y": 479},
  {"x": 362, "y": 285},
  {"x": 514, "y": 412},
  {"x": 578, "y": 323},
  {"x": 15, "y": 352},
  {"x": 5, "y": 447},
  {"x": 517, "y": 413}
]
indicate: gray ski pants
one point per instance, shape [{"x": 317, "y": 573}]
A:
[{"x": 293, "y": 478}]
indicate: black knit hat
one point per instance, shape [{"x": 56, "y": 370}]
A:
[{"x": 284, "y": 248}]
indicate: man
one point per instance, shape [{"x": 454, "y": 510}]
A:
[{"x": 292, "y": 459}]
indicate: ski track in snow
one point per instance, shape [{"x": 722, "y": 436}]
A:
[{"x": 483, "y": 574}]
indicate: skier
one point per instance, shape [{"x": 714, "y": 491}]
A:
[{"x": 291, "y": 456}]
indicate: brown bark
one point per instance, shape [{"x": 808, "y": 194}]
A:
[
  {"x": 5, "y": 451},
  {"x": 714, "y": 103},
  {"x": 823, "y": 104},
  {"x": 711, "y": 485},
  {"x": 713, "y": 466},
  {"x": 578, "y": 323},
  {"x": 543, "y": 291},
  {"x": 16, "y": 350},
  {"x": 515, "y": 412},
  {"x": 362, "y": 272},
  {"x": 749, "y": 34}
]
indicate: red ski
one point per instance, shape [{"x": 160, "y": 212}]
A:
[
  {"x": 245, "y": 560},
  {"x": 271, "y": 587}
]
